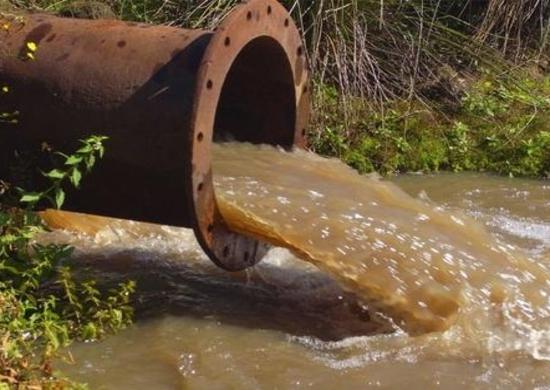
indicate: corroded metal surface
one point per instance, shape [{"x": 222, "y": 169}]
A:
[{"x": 162, "y": 95}]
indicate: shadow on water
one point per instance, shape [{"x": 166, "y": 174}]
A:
[{"x": 307, "y": 303}]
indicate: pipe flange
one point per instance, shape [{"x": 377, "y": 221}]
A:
[{"x": 246, "y": 22}]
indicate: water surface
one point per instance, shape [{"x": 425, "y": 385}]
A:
[{"x": 286, "y": 324}]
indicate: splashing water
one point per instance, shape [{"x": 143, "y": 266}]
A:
[
  {"x": 285, "y": 324},
  {"x": 427, "y": 269}
]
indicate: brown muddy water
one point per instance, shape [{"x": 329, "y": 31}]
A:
[{"x": 462, "y": 263}]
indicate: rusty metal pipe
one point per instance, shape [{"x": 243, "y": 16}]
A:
[{"x": 162, "y": 95}]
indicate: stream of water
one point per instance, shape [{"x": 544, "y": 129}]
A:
[
  {"x": 424, "y": 268},
  {"x": 462, "y": 265}
]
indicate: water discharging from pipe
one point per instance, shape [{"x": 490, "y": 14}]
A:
[
  {"x": 284, "y": 324},
  {"x": 426, "y": 269}
]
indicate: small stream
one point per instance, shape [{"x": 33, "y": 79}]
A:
[{"x": 284, "y": 324}]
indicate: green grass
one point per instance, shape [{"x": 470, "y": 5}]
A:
[{"x": 498, "y": 126}]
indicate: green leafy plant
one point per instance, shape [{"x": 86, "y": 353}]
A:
[
  {"x": 43, "y": 306},
  {"x": 73, "y": 167}
]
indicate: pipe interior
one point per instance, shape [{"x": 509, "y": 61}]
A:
[{"x": 258, "y": 103}]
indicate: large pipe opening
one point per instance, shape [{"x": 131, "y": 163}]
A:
[
  {"x": 257, "y": 104},
  {"x": 251, "y": 87},
  {"x": 258, "y": 100}
]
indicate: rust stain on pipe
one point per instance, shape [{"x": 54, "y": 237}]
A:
[{"x": 162, "y": 95}]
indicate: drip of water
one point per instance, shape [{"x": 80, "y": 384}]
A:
[{"x": 426, "y": 268}]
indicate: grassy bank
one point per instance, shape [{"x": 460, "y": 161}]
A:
[
  {"x": 431, "y": 85},
  {"x": 496, "y": 127}
]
